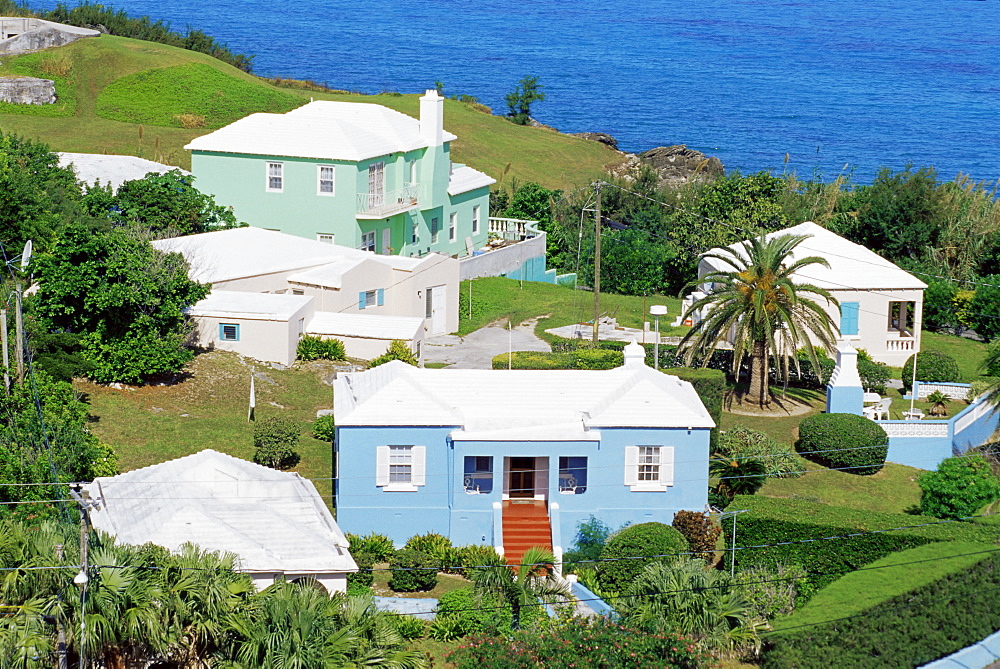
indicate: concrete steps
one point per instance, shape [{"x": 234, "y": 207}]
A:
[{"x": 525, "y": 525}]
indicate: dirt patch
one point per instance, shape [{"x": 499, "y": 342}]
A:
[{"x": 780, "y": 407}]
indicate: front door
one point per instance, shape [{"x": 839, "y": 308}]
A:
[
  {"x": 522, "y": 477},
  {"x": 436, "y": 304}
]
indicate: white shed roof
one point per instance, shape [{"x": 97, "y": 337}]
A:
[
  {"x": 464, "y": 178},
  {"x": 323, "y": 129},
  {"x": 115, "y": 170},
  {"x": 518, "y": 404},
  {"x": 273, "y": 521},
  {"x": 365, "y": 326},
  {"x": 852, "y": 266},
  {"x": 249, "y": 306},
  {"x": 225, "y": 255}
]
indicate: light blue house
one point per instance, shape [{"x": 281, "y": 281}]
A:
[
  {"x": 349, "y": 173},
  {"x": 516, "y": 458}
]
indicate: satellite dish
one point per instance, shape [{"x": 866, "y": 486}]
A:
[{"x": 26, "y": 255}]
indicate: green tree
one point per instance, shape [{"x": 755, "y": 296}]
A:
[
  {"x": 760, "y": 302},
  {"x": 123, "y": 297},
  {"x": 524, "y": 584},
  {"x": 958, "y": 488},
  {"x": 274, "y": 441},
  {"x": 985, "y": 308},
  {"x": 527, "y": 92}
]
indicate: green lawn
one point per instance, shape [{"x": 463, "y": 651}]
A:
[
  {"x": 446, "y": 583},
  {"x": 966, "y": 352},
  {"x": 889, "y": 577},
  {"x": 497, "y": 298},
  {"x": 149, "y": 425}
]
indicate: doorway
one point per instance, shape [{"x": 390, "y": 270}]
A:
[
  {"x": 522, "y": 478},
  {"x": 436, "y": 303}
]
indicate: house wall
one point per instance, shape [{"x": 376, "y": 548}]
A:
[
  {"x": 873, "y": 323},
  {"x": 265, "y": 340},
  {"x": 333, "y": 582},
  {"x": 367, "y": 348}
]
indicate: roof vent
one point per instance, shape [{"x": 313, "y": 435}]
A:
[{"x": 635, "y": 355}]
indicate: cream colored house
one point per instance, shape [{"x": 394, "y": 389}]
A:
[
  {"x": 270, "y": 289},
  {"x": 880, "y": 305}
]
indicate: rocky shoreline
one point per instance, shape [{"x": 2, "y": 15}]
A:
[{"x": 675, "y": 165}]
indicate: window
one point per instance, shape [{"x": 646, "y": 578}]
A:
[
  {"x": 901, "y": 318},
  {"x": 649, "y": 468},
  {"x": 411, "y": 170},
  {"x": 572, "y": 475},
  {"x": 400, "y": 468},
  {"x": 229, "y": 331},
  {"x": 368, "y": 241},
  {"x": 435, "y": 229},
  {"x": 275, "y": 177},
  {"x": 376, "y": 185},
  {"x": 415, "y": 233},
  {"x": 849, "y": 318},
  {"x": 371, "y": 298},
  {"x": 325, "y": 237},
  {"x": 452, "y": 226},
  {"x": 324, "y": 180},
  {"x": 475, "y": 219},
  {"x": 478, "y": 474},
  {"x": 298, "y": 291},
  {"x": 302, "y": 328}
]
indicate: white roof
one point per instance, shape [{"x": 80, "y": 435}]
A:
[
  {"x": 273, "y": 521},
  {"x": 852, "y": 266},
  {"x": 364, "y": 326},
  {"x": 225, "y": 255},
  {"x": 249, "y": 306},
  {"x": 517, "y": 404},
  {"x": 464, "y": 178},
  {"x": 323, "y": 129},
  {"x": 115, "y": 170}
]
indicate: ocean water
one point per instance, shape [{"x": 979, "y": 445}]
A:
[{"x": 850, "y": 85}]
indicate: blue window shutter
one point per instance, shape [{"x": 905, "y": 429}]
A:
[
  {"x": 381, "y": 298},
  {"x": 848, "y": 318},
  {"x": 361, "y": 300}
]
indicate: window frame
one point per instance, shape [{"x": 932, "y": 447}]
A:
[
  {"x": 366, "y": 246},
  {"x": 435, "y": 229},
  {"x": 222, "y": 331},
  {"x": 453, "y": 226},
  {"x": 326, "y": 238},
  {"x": 478, "y": 473},
  {"x": 414, "y": 457},
  {"x": 280, "y": 176},
  {"x": 332, "y": 180},
  {"x": 475, "y": 219},
  {"x": 659, "y": 460}
]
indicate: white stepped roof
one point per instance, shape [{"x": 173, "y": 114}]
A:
[
  {"x": 325, "y": 130},
  {"x": 273, "y": 521},
  {"x": 365, "y": 326},
  {"x": 249, "y": 306},
  {"x": 464, "y": 178},
  {"x": 225, "y": 255},
  {"x": 852, "y": 266},
  {"x": 518, "y": 404}
]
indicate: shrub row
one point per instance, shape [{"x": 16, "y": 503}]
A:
[
  {"x": 844, "y": 440},
  {"x": 910, "y": 630},
  {"x": 776, "y": 520},
  {"x": 584, "y": 358},
  {"x": 317, "y": 348},
  {"x": 620, "y": 570}
]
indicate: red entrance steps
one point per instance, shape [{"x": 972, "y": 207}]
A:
[{"x": 525, "y": 525}]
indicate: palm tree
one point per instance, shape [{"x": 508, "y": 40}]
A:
[
  {"x": 524, "y": 585},
  {"x": 758, "y": 301}
]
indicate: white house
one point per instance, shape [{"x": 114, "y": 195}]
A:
[
  {"x": 881, "y": 306},
  {"x": 274, "y": 522},
  {"x": 270, "y": 288},
  {"x": 92, "y": 168}
]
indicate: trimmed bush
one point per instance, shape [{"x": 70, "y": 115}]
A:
[
  {"x": 274, "y": 441},
  {"x": 959, "y": 487},
  {"x": 776, "y": 520},
  {"x": 364, "y": 578},
  {"x": 433, "y": 544},
  {"x": 874, "y": 375},
  {"x": 474, "y": 555},
  {"x": 634, "y": 541},
  {"x": 777, "y": 458},
  {"x": 325, "y": 427},
  {"x": 596, "y": 358},
  {"x": 413, "y": 571},
  {"x": 844, "y": 440},
  {"x": 317, "y": 348},
  {"x": 700, "y": 530},
  {"x": 910, "y": 630},
  {"x": 379, "y": 546},
  {"x": 931, "y": 366}
]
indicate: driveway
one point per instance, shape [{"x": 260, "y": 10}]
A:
[{"x": 476, "y": 349}]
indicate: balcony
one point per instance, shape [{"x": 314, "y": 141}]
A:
[{"x": 387, "y": 203}]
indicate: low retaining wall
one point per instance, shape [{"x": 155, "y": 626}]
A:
[
  {"x": 520, "y": 257},
  {"x": 925, "y": 443},
  {"x": 976, "y": 656},
  {"x": 955, "y": 391}
]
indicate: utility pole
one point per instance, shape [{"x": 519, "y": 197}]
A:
[
  {"x": 83, "y": 577},
  {"x": 597, "y": 261},
  {"x": 6, "y": 350},
  {"x": 19, "y": 337},
  {"x": 61, "y": 631}
]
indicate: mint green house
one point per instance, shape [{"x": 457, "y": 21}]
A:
[{"x": 348, "y": 173}]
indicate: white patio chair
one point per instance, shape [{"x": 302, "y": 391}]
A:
[
  {"x": 882, "y": 408},
  {"x": 869, "y": 412}
]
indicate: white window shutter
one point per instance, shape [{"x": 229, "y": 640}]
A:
[
  {"x": 382, "y": 466},
  {"x": 631, "y": 465},
  {"x": 667, "y": 465},
  {"x": 419, "y": 465}
]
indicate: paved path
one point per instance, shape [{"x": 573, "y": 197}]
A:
[{"x": 476, "y": 349}]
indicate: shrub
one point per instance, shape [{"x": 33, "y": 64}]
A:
[
  {"x": 793, "y": 523},
  {"x": 874, "y": 375},
  {"x": 448, "y": 629},
  {"x": 844, "y": 440},
  {"x": 410, "y": 627},
  {"x": 701, "y": 531},
  {"x": 433, "y": 544},
  {"x": 190, "y": 121},
  {"x": 379, "y": 546},
  {"x": 931, "y": 366},
  {"x": 596, "y": 358},
  {"x": 591, "y": 536},
  {"x": 325, "y": 427},
  {"x": 398, "y": 350},
  {"x": 317, "y": 348},
  {"x": 777, "y": 458},
  {"x": 274, "y": 441},
  {"x": 462, "y": 557},
  {"x": 958, "y": 488},
  {"x": 771, "y": 591},
  {"x": 364, "y": 577},
  {"x": 413, "y": 571},
  {"x": 909, "y": 630},
  {"x": 991, "y": 365},
  {"x": 978, "y": 387},
  {"x": 634, "y": 541}
]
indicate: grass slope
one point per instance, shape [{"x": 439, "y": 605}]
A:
[{"x": 488, "y": 143}]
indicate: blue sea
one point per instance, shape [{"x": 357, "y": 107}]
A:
[{"x": 839, "y": 86}]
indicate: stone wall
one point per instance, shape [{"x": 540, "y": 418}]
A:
[{"x": 27, "y": 90}]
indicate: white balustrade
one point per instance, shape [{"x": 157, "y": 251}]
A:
[{"x": 387, "y": 203}]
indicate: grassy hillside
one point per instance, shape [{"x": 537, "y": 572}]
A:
[{"x": 119, "y": 95}]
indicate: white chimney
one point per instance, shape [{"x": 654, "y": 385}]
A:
[
  {"x": 635, "y": 355},
  {"x": 432, "y": 118}
]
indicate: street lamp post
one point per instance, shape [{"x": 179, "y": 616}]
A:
[{"x": 656, "y": 311}]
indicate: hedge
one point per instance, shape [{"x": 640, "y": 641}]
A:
[
  {"x": 775, "y": 520},
  {"x": 931, "y": 366},
  {"x": 413, "y": 571},
  {"x": 643, "y": 539},
  {"x": 844, "y": 440},
  {"x": 909, "y": 630}
]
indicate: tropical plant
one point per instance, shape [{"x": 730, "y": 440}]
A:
[
  {"x": 325, "y": 427},
  {"x": 939, "y": 403},
  {"x": 379, "y": 546},
  {"x": 741, "y": 475},
  {"x": 523, "y": 584},
  {"x": 758, "y": 300},
  {"x": 318, "y": 348},
  {"x": 991, "y": 365},
  {"x": 397, "y": 350},
  {"x": 778, "y": 458}
]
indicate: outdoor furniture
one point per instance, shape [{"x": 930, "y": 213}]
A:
[
  {"x": 916, "y": 414},
  {"x": 567, "y": 484},
  {"x": 869, "y": 412},
  {"x": 871, "y": 398},
  {"x": 882, "y": 408}
]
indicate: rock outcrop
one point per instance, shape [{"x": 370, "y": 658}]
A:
[
  {"x": 27, "y": 90},
  {"x": 24, "y": 35},
  {"x": 675, "y": 165},
  {"x": 601, "y": 137}
]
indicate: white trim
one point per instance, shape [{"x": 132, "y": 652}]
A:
[
  {"x": 319, "y": 180},
  {"x": 632, "y": 466},
  {"x": 280, "y": 175},
  {"x": 382, "y": 466}
]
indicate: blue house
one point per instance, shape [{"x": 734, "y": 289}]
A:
[{"x": 516, "y": 458}]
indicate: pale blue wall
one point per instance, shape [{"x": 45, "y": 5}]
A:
[{"x": 443, "y": 506}]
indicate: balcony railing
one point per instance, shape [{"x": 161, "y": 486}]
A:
[
  {"x": 899, "y": 345},
  {"x": 387, "y": 203},
  {"x": 513, "y": 229}
]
